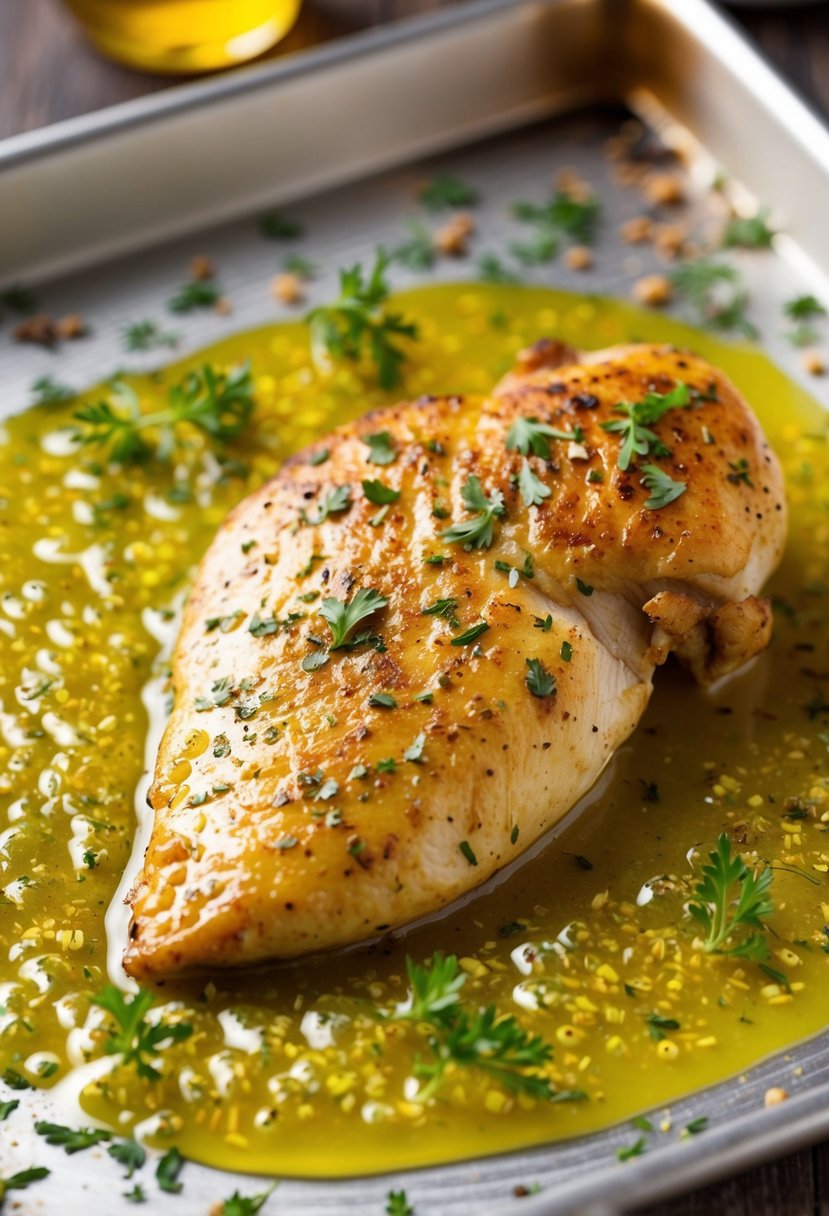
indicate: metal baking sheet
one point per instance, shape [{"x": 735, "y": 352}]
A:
[{"x": 140, "y": 181}]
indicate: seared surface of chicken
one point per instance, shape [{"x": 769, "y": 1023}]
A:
[{"x": 308, "y": 796}]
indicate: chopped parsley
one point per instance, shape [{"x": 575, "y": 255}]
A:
[
  {"x": 382, "y": 700},
  {"x": 636, "y": 1149},
  {"x": 662, "y": 488},
  {"x": 70, "y": 1140},
  {"x": 133, "y": 1037},
  {"x": 381, "y": 449},
  {"x": 729, "y": 898},
  {"x": 637, "y": 437},
  {"x": 128, "y": 1153},
  {"x": 333, "y": 502},
  {"x": 356, "y": 323},
  {"x": 279, "y": 227},
  {"x": 563, "y": 216},
  {"x": 443, "y": 607},
  {"x": 527, "y": 435},
  {"x": 748, "y": 232},
  {"x": 48, "y": 391},
  {"x": 492, "y": 270},
  {"x": 343, "y": 616},
  {"x": 539, "y": 680},
  {"x": 378, "y": 493},
  {"x": 168, "y": 1170},
  {"x": 418, "y": 252},
  {"x": 715, "y": 293},
  {"x": 398, "y": 1205},
  {"x": 146, "y": 335},
  {"x": 198, "y": 293},
  {"x": 477, "y": 532},
  {"x": 219, "y": 404},
  {"x": 447, "y": 190},
  {"x": 533, "y": 489},
  {"x": 240, "y": 1205},
  {"x": 802, "y": 308},
  {"x": 22, "y": 1179},
  {"x": 470, "y": 635},
  {"x": 468, "y": 852}
]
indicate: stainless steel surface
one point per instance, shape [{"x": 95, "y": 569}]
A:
[{"x": 153, "y": 169}]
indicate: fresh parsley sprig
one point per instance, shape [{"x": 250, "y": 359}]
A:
[
  {"x": 134, "y": 1037},
  {"x": 476, "y": 533},
  {"x": 527, "y": 435},
  {"x": 462, "y": 1037},
  {"x": 343, "y": 616},
  {"x": 22, "y": 1179},
  {"x": 663, "y": 489},
  {"x": 71, "y": 1140},
  {"x": 716, "y": 294},
  {"x": 729, "y": 898},
  {"x": 219, "y": 404},
  {"x": 357, "y": 323},
  {"x": 639, "y": 416}
]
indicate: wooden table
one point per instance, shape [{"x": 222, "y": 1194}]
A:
[{"x": 48, "y": 72}]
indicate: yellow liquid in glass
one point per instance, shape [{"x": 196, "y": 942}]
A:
[{"x": 185, "y": 35}]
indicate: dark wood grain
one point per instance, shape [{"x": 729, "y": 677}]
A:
[{"x": 49, "y": 72}]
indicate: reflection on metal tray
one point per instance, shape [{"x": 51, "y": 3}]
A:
[{"x": 96, "y": 191}]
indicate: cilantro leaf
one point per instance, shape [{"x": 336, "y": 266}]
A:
[
  {"x": 135, "y": 1038},
  {"x": 344, "y": 615}
]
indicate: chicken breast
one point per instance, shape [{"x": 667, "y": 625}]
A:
[{"x": 322, "y": 778}]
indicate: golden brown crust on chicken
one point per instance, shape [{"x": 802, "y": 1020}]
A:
[{"x": 295, "y": 811}]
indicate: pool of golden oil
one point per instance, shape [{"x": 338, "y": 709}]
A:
[
  {"x": 181, "y": 36},
  {"x": 291, "y": 1058}
]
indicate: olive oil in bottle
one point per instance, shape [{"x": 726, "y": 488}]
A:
[{"x": 180, "y": 36}]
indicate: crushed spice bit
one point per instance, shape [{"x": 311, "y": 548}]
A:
[{"x": 653, "y": 290}]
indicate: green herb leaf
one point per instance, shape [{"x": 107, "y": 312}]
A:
[
  {"x": 663, "y": 489},
  {"x": 135, "y": 1038},
  {"x": 218, "y": 404},
  {"x": 636, "y": 1149},
  {"x": 539, "y": 680},
  {"x": 22, "y": 1179},
  {"x": 803, "y": 307},
  {"x": 533, "y": 489},
  {"x": 447, "y": 190},
  {"x": 146, "y": 335},
  {"x": 333, "y": 503},
  {"x": 418, "y": 252},
  {"x": 398, "y": 1205},
  {"x": 715, "y": 293},
  {"x": 476, "y": 533},
  {"x": 16, "y": 1080},
  {"x": 198, "y": 293},
  {"x": 356, "y": 323},
  {"x": 279, "y": 227},
  {"x": 563, "y": 216},
  {"x": 492, "y": 270},
  {"x": 168, "y": 1170},
  {"x": 466, "y": 1038},
  {"x": 239, "y": 1205},
  {"x": 378, "y": 493},
  {"x": 381, "y": 449},
  {"x": 468, "y": 852},
  {"x": 748, "y": 232},
  {"x": 470, "y": 635},
  {"x": 382, "y": 700},
  {"x": 47, "y": 391},
  {"x": 637, "y": 438},
  {"x": 128, "y": 1153},
  {"x": 344, "y": 615},
  {"x": 70, "y": 1140},
  {"x": 730, "y": 897},
  {"x": 7, "y": 1108},
  {"x": 527, "y": 435}
]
